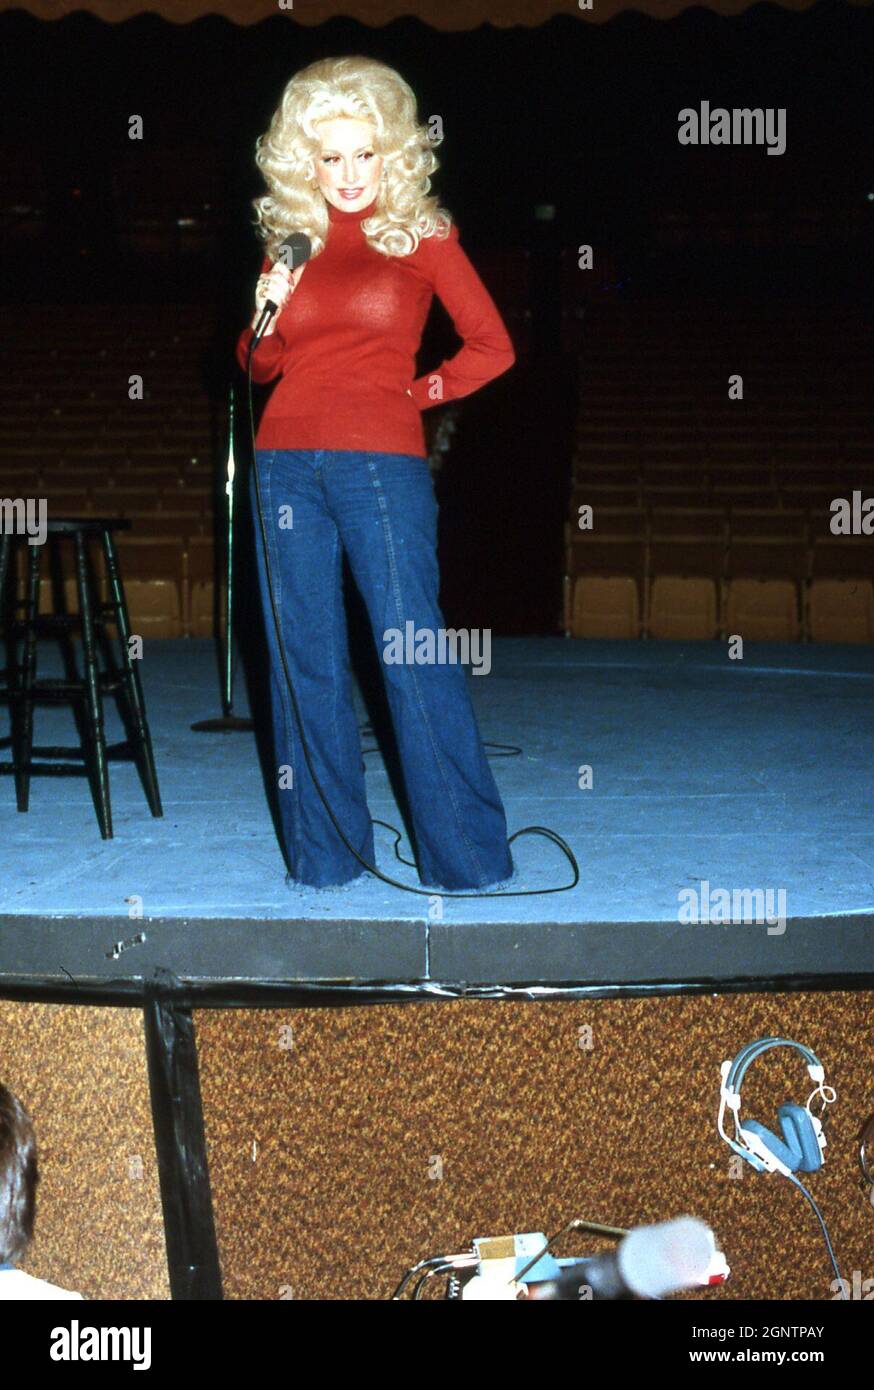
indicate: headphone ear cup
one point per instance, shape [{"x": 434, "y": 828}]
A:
[
  {"x": 780, "y": 1150},
  {"x": 800, "y": 1136}
]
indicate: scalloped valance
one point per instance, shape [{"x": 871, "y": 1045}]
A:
[{"x": 439, "y": 14}]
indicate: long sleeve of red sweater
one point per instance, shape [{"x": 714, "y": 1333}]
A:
[{"x": 344, "y": 346}]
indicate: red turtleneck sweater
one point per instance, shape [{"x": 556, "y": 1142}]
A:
[{"x": 345, "y": 344}]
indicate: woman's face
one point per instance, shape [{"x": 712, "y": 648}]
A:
[{"x": 348, "y": 169}]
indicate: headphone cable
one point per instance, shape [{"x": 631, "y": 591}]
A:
[{"x": 821, "y": 1219}]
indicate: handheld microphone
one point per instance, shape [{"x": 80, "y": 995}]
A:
[
  {"x": 294, "y": 252},
  {"x": 649, "y": 1262}
]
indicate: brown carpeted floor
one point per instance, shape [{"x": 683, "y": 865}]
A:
[{"x": 382, "y": 1135}]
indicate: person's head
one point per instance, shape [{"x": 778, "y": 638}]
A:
[
  {"x": 348, "y": 124},
  {"x": 18, "y": 1178}
]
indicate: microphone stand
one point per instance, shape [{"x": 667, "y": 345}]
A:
[{"x": 228, "y": 722}]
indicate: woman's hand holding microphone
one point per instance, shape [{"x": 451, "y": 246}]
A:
[{"x": 278, "y": 285}]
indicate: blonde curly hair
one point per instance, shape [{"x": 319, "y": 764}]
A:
[{"x": 364, "y": 89}]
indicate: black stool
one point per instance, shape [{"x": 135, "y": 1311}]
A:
[{"x": 84, "y": 692}]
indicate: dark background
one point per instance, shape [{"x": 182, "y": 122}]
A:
[
  {"x": 577, "y": 115},
  {"x": 583, "y": 116}
]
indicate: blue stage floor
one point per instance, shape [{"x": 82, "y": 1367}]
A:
[{"x": 752, "y": 774}]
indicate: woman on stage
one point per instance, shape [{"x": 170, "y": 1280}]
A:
[{"x": 341, "y": 467}]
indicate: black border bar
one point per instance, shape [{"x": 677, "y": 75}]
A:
[
  {"x": 254, "y": 994},
  {"x": 180, "y": 1144}
]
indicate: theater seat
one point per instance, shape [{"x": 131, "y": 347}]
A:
[
  {"x": 201, "y": 598},
  {"x": 841, "y": 610},
  {"x": 682, "y": 608},
  {"x": 58, "y": 589},
  {"x": 152, "y": 572},
  {"x": 605, "y": 607},
  {"x": 48, "y": 600},
  {"x": 604, "y": 580},
  {"x": 763, "y": 609}
]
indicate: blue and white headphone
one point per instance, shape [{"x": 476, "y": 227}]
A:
[{"x": 802, "y": 1148}]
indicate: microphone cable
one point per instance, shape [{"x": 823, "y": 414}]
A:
[{"x": 395, "y": 883}]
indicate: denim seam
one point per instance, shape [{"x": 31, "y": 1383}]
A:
[
  {"x": 332, "y": 645},
  {"x": 283, "y": 683},
  {"x": 389, "y": 543},
  {"x": 320, "y": 457},
  {"x": 335, "y": 609}
]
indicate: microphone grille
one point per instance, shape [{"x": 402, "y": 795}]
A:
[
  {"x": 658, "y": 1260},
  {"x": 295, "y": 250}
]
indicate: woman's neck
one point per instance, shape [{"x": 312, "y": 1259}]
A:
[{"x": 341, "y": 215}]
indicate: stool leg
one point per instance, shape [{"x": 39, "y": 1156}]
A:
[
  {"x": 93, "y": 699},
  {"x": 23, "y": 738},
  {"x": 133, "y": 689},
  {"x": 5, "y": 547}
]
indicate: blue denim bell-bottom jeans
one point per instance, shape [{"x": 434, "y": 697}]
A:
[{"x": 380, "y": 509}]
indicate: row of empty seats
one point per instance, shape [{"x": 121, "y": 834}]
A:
[
  {"x": 694, "y": 516},
  {"x": 171, "y": 585},
  {"x": 680, "y": 588},
  {"x": 817, "y": 499},
  {"x": 158, "y": 514},
  {"x": 70, "y": 433}
]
